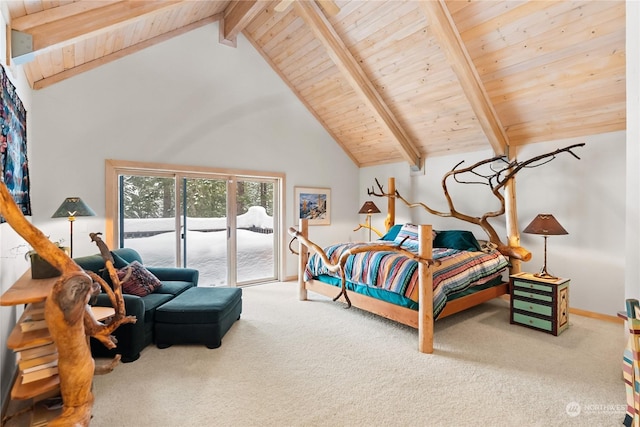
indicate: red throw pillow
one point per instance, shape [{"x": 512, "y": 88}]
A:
[{"x": 137, "y": 280}]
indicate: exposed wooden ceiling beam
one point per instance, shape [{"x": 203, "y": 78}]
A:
[
  {"x": 349, "y": 67},
  {"x": 24, "y": 23},
  {"x": 237, "y": 15},
  {"x": 39, "y": 84},
  {"x": 441, "y": 25},
  {"x": 329, "y": 6},
  {"x": 70, "y": 23}
]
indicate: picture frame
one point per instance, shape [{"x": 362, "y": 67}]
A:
[{"x": 314, "y": 204}]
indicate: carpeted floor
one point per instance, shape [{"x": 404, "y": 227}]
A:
[{"x": 314, "y": 363}]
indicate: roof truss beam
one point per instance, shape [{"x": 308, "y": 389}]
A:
[
  {"x": 40, "y": 84},
  {"x": 349, "y": 67},
  {"x": 81, "y": 20},
  {"x": 237, "y": 16},
  {"x": 443, "y": 28}
]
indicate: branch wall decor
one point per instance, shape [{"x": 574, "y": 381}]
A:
[{"x": 500, "y": 172}]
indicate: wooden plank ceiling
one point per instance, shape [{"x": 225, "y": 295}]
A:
[{"x": 389, "y": 80}]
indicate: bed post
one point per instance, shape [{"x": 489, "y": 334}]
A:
[
  {"x": 391, "y": 204},
  {"x": 303, "y": 257},
  {"x": 511, "y": 220},
  {"x": 425, "y": 284}
]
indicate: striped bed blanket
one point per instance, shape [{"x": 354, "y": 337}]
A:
[{"x": 398, "y": 274}]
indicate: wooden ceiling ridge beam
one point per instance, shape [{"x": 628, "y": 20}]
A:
[
  {"x": 62, "y": 27},
  {"x": 441, "y": 25},
  {"x": 237, "y": 15},
  {"x": 349, "y": 67}
]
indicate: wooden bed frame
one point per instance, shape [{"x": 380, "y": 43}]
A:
[{"x": 421, "y": 319}]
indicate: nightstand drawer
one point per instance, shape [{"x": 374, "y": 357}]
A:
[
  {"x": 536, "y": 286},
  {"x": 525, "y": 294},
  {"x": 533, "y": 321},
  {"x": 544, "y": 310}
]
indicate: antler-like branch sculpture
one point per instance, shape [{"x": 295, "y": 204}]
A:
[
  {"x": 496, "y": 180},
  {"x": 69, "y": 317},
  {"x": 96, "y": 329},
  {"x": 342, "y": 260}
]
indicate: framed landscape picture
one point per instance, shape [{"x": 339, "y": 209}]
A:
[{"x": 313, "y": 204}]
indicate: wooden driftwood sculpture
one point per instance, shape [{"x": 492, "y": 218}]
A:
[
  {"x": 496, "y": 180},
  {"x": 69, "y": 318}
]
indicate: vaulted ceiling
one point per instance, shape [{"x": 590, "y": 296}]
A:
[{"x": 389, "y": 80}]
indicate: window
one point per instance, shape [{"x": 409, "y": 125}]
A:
[{"x": 224, "y": 223}]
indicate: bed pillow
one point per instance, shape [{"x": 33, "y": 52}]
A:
[
  {"x": 392, "y": 233},
  {"x": 408, "y": 232},
  {"x": 456, "y": 239},
  {"x": 140, "y": 282}
]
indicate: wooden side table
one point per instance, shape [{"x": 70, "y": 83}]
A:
[{"x": 538, "y": 303}]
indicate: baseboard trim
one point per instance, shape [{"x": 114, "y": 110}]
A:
[{"x": 594, "y": 315}]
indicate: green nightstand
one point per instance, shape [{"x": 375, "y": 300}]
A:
[{"x": 539, "y": 303}]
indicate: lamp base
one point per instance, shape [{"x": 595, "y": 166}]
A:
[{"x": 545, "y": 276}]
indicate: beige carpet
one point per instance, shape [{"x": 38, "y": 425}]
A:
[{"x": 314, "y": 363}]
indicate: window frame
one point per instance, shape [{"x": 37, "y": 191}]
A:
[{"x": 114, "y": 168}]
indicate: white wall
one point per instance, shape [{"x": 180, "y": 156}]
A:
[{"x": 587, "y": 197}]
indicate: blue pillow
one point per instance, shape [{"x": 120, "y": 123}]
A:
[
  {"x": 456, "y": 239},
  {"x": 392, "y": 233}
]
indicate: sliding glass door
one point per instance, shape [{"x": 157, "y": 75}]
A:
[
  {"x": 256, "y": 242},
  {"x": 204, "y": 245},
  {"x": 223, "y": 225},
  {"x": 148, "y": 217}
]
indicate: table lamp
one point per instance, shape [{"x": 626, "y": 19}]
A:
[
  {"x": 70, "y": 209},
  {"x": 369, "y": 208},
  {"x": 546, "y": 225}
]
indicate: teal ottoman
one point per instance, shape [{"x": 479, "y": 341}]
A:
[{"x": 197, "y": 316}]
